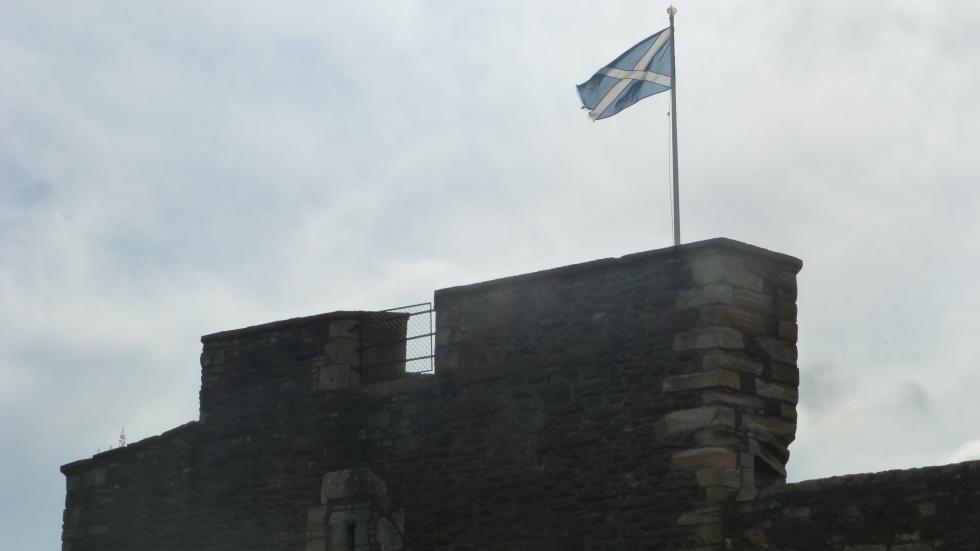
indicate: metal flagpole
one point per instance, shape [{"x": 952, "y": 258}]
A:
[{"x": 673, "y": 124}]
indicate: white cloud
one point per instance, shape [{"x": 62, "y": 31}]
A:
[
  {"x": 968, "y": 451},
  {"x": 169, "y": 170}
]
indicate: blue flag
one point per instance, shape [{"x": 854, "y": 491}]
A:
[{"x": 643, "y": 70}]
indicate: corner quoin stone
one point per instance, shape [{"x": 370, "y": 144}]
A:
[
  {"x": 724, "y": 268},
  {"x": 705, "y": 458},
  {"x": 690, "y": 420},
  {"x": 718, "y": 293},
  {"x": 717, "y": 378},
  {"x": 717, "y": 359},
  {"x": 711, "y": 337}
]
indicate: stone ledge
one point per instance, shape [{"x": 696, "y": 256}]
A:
[
  {"x": 690, "y": 420},
  {"x": 282, "y": 324},
  {"x": 717, "y": 359},
  {"x": 187, "y": 432},
  {"x": 708, "y": 246},
  {"x": 717, "y": 378},
  {"x": 705, "y": 458}
]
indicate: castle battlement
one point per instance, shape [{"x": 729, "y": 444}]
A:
[{"x": 641, "y": 402}]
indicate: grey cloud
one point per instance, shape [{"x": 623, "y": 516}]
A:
[{"x": 168, "y": 170}]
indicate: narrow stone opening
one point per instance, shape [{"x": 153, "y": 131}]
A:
[
  {"x": 343, "y": 537},
  {"x": 350, "y": 534}
]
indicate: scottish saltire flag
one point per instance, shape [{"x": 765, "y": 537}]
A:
[{"x": 643, "y": 70}]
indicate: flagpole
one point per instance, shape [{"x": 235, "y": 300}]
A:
[{"x": 673, "y": 126}]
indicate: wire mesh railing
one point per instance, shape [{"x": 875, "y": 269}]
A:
[{"x": 397, "y": 340}]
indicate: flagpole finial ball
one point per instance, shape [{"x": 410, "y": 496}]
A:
[{"x": 671, "y": 10}]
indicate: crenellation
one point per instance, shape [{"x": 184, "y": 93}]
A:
[{"x": 642, "y": 402}]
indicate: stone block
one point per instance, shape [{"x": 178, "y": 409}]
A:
[
  {"x": 333, "y": 377},
  {"x": 796, "y": 512},
  {"x": 212, "y": 356},
  {"x": 722, "y": 397},
  {"x": 729, "y": 478},
  {"x": 407, "y": 385},
  {"x": 718, "y": 293},
  {"x": 343, "y": 328},
  {"x": 705, "y": 458},
  {"x": 724, "y": 269},
  {"x": 342, "y": 350},
  {"x": 74, "y": 482},
  {"x": 784, "y": 310},
  {"x": 788, "y": 411},
  {"x": 700, "y": 516},
  {"x": 753, "y": 300},
  {"x": 712, "y": 437},
  {"x": 735, "y": 317},
  {"x": 711, "y": 379},
  {"x": 711, "y": 534},
  {"x": 316, "y": 523},
  {"x": 718, "y": 359},
  {"x": 399, "y": 517},
  {"x": 708, "y": 338},
  {"x": 388, "y": 535},
  {"x": 318, "y": 544},
  {"x": 786, "y": 281},
  {"x": 690, "y": 420},
  {"x": 776, "y": 392},
  {"x": 777, "y": 350},
  {"x": 784, "y": 373},
  {"x": 761, "y": 453},
  {"x": 782, "y": 430},
  {"x": 717, "y": 495},
  {"x": 71, "y": 516},
  {"x": 757, "y": 537},
  {"x": 788, "y": 330},
  {"x": 747, "y": 491},
  {"x": 447, "y": 359},
  {"x": 95, "y": 476},
  {"x": 359, "y": 482}
]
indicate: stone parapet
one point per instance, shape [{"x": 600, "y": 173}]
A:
[
  {"x": 927, "y": 509},
  {"x": 250, "y": 373},
  {"x": 708, "y": 324},
  {"x": 618, "y": 404}
]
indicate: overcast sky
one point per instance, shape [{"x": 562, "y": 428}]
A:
[{"x": 170, "y": 169}]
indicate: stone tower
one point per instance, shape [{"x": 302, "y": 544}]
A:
[{"x": 643, "y": 402}]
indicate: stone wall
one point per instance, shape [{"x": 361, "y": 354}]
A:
[
  {"x": 245, "y": 475},
  {"x": 627, "y": 399},
  {"x": 133, "y": 496},
  {"x": 644, "y": 402},
  {"x": 928, "y": 509}
]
